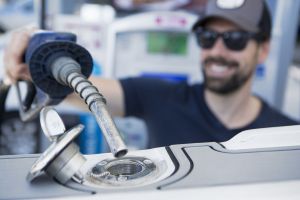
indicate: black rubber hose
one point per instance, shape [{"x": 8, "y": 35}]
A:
[{"x": 4, "y": 89}]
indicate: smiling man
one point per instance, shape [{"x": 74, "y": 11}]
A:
[{"x": 234, "y": 36}]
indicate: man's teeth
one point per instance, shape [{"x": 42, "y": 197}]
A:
[{"x": 219, "y": 68}]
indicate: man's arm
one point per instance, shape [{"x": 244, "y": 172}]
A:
[{"x": 17, "y": 69}]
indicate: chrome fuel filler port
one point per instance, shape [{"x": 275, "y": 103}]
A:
[
  {"x": 123, "y": 171},
  {"x": 138, "y": 168}
]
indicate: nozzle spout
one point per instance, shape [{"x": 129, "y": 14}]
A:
[{"x": 65, "y": 71}]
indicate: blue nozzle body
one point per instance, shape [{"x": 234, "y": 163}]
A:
[
  {"x": 47, "y": 47},
  {"x": 41, "y": 38}
]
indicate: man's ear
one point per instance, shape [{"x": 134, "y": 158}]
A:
[{"x": 264, "y": 49}]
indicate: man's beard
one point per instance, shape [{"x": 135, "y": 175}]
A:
[{"x": 227, "y": 86}]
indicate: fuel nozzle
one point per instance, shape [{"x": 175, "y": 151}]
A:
[{"x": 58, "y": 66}]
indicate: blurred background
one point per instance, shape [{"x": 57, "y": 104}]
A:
[{"x": 140, "y": 38}]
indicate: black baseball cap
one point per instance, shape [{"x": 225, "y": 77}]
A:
[{"x": 249, "y": 15}]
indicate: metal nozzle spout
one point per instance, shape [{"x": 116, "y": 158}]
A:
[
  {"x": 67, "y": 71},
  {"x": 96, "y": 103},
  {"x": 113, "y": 138}
]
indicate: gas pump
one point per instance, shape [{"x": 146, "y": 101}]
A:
[{"x": 156, "y": 44}]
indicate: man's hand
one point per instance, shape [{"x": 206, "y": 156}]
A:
[{"x": 15, "y": 68}]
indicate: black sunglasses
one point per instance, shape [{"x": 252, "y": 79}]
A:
[{"x": 234, "y": 40}]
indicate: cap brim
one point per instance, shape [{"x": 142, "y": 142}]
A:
[{"x": 236, "y": 20}]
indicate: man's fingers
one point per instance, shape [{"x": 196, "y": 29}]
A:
[
  {"x": 18, "y": 45},
  {"x": 19, "y": 71},
  {"x": 15, "y": 68}
]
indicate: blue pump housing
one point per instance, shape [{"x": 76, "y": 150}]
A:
[{"x": 43, "y": 49}]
